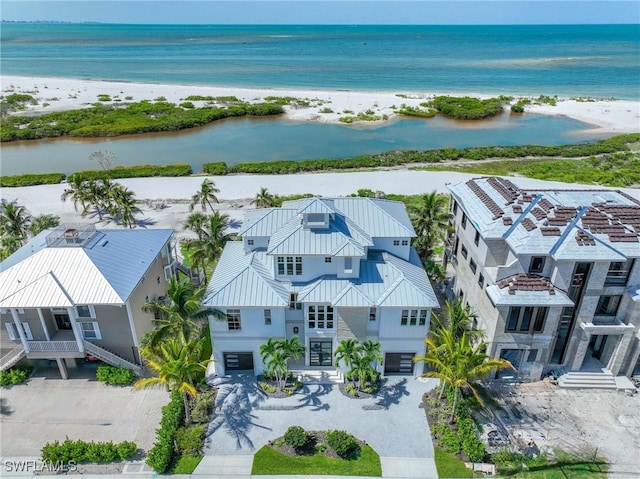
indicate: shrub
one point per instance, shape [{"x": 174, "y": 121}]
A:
[
  {"x": 14, "y": 376},
  {"x": 81, "y": 451},
  {"x": 161, "y": 454},
  {"x": 115, "y": 376},
  {"x": 266, "y": 387},
  {"x": 447, "y": 438},
  {"x": 296, "y": 437},
  {"x": 467, "y": 108},
  {"x": 30, "y": 179},
  {"x": 218, "y": 168},
  {"x": 471, "y": 444},
  {"x": 351, "y": 390},
  {"x": 202, "y": 406},
  {"x": 343, "y": 443},
  {"x": 189, "y": 440},
  {"x": 187, "y": 104}
]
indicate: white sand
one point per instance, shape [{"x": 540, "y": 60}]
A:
[
  {"x": 619, "y": 116},
  {"x": 236, "y": 192}
]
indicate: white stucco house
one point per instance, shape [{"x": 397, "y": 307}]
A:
[{"x": 322, "y": 269}]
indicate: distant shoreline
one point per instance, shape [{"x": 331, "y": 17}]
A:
[{"x": 60, "y": 94}]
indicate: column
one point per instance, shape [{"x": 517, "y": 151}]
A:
[
  {"x": 75, "y": 327},
  {"x": 63, "y": 368},
  {"x": 620, "y": 352},
  {"x": 634, "y": 357},
  {"x": 581, "y": 351},
  {"x": 44, "y": 326},
  {"x": 18, "y": 323}
]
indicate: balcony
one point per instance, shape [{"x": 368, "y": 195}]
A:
[{"x": 61, "y": 343}]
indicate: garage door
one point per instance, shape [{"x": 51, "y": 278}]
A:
[
  {"x": 238, "y": 362},
  {"x": 398, "y": 363}
]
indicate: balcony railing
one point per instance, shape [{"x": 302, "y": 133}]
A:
[{"x": 53, "y": 347}]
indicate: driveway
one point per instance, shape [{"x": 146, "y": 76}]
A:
[
  {"x": 393, "y": 423},
  {"x": 49, "y": 408}
]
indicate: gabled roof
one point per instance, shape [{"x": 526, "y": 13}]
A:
[
  {"x": 315, "y": 205},
  {"x": 105, "y": 270},
  {"x": 242, "y": 279},
  {"x": 265, "y": 222}
]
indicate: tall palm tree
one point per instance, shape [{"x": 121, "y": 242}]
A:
[
  {"x": 195, "y": 223},
  {"x": 347, "y": 351},
  {"x": 181, "y": 313},
  {"x": 292, "y": 349},
  {"x": 212, "y": 237},
  {"x": 276, "y": 354},
  {"x": 176, "y": 364},
  {"x": 77, "y": 192},
  {"x": 123, "y": 205},
  {"x": 264, "y": 199},
  {"x": 43, "y": 222},
  {"x": 14, "y": 220},
  {"x": 430, "y": 220},
  {"x": 205, "y": 196},
  {"x": 458, "y": 318}
]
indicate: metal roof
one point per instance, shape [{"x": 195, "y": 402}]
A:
[
  {"x": 265, "y": 222},
  {"x": 105, "y": 270}
]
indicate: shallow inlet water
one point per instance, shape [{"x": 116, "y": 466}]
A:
[{"x": 249, "y": 139}]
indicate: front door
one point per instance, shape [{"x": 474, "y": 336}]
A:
[
  {"x": 62, "y": 321},
  {"x": 320, "y": 352},
  {"x": 596, "y": 345}
]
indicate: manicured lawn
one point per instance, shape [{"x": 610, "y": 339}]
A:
[
  {"x": 566, "y": 471},
  {"x": 449, "y": 465},
  {"x": 186, "y": 464},
  {"x": 268, "y": 461}
]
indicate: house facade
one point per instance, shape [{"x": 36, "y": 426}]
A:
[
  {"x": 321, "y": 270},
  {"x": 552, "y": 274},
  {"x": 75, "y": 293}
]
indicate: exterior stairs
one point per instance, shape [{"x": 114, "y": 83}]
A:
[
  {"x": 11, "y": 358},
  {"x": 110, "y": 357},
  {"x": 586, "y": 380},
  {"x": 319, "y": 376}
]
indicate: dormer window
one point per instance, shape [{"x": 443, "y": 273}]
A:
[{"x": 316, "y": 220}]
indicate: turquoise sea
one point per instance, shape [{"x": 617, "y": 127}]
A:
[
  {"x": 565, "y": 60},
  {"x": 600, "y": 61}
]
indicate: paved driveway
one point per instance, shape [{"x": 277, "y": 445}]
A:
[
  {"x": 392, "y": 423},
  {"x": 49, "y": 408}
]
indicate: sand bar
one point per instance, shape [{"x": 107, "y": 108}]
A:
[{"x": 607, "y": 115}]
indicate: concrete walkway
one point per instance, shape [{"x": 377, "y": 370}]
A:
[{"x": 393, "y": 423}]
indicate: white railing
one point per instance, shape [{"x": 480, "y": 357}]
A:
[
  {"x": 110, "y": 357},
  {"x": 11, "y": 358},
  {"x": 53, "y": 347}
]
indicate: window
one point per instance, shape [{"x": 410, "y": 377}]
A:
[
  {"x": 293, "y": 301},
  {"x": 320, "y": 316},
  {"x": 11, "y": 329},
  {"x": 405, "y": 242},
  {"x": 481, "y": 280},
  {"x": 537, "y": 264},
  {"x": 455, "y": 208},
  {"x": 404, "y": 317},
  {"x": 396, "y": 242},
  {"x": 372, "y": 314},
  {"x": 289, "y": 265},
  {"x": 472, "y": 266},
  {"x": 463, "y": 251},
  {"x": 348, "y": 268},
  {"x": 327, "y": 259},
  {"x": 618, "y": 273},
  {"x": 281, "y": 265},
  {"x": 526, "y": 319},
  {"x": 463, "y": 222},
  {"x": 476, "y": 240},
  {"x": 267, "y": 317},
  {"x": 298, "y": 265},
  {"x": 533, "y": 354},
  {"x": 412, "y": 317},
  {"x": 85, "y": 311},
  {"x": 423, "y": 317},
  {"x": 168, "y": 272},
  {"x": 250, "y": 242},
  {"x": 315, "y": 218},
  {"x": 455, "y": 246},
  {"x": 608, "y": 305},
  {"x": 233, "y": 319},
  {"x": 90, "y": 330}
]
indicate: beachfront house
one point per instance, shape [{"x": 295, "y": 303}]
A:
[
  {"x": 321, "y": 270},
  {"x": 76, "y": 293},
  {"x": 553, "y": 276}
]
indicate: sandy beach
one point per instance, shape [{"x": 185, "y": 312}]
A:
[{"x": 57, "y": 94}]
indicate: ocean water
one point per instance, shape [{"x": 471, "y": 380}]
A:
[{"x": 573, "y": 60}]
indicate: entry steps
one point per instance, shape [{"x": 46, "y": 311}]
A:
[
  {"x": 593, "y": 380},
  {"x": 319, "y": 376}
]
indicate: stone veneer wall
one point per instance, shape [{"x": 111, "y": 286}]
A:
[{"x": 352, "y": 323}]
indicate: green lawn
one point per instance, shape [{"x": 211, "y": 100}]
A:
[
  {"x": 579, "y": 470},
  {"x": 268, "y": 461},
  {"x": 449, "y": 465},
  {"x": 186, "y": 464}
]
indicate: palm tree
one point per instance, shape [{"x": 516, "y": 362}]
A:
[
  {"x": 14, "y": 220},
  {"x": 9, "y": 244},
  {"x": 362, "y": 368},
  {"x": 264, "y": 199},
  {"x": 346, "y": 351},
  {"x": 211, "y": 239},
  {"x": 292, "y": 349},
  {"x": 372, "y": 350},
  {"x": 205, "y": 196},
  {"x": 430, "y": 220},
  {"x": 77, "y": 191},
  {"x": 43, "y": 222},
  {"x": 458, "y": 318},
  {"x": 180, "y": 314},
  {"x": 276, "y": 354},
  {"x": 123, "y": 205},
  {"x": 176, "y": 363},
  {"x": 195, "y": 223}
]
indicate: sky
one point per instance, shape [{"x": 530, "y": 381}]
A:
[{"x": 325, "y": 12}]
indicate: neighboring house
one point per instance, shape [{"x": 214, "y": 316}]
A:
[
  {"x": 72, "y": 293},
  {"x": 322, "y": 270},
  {"x": 552, "y": 274}
]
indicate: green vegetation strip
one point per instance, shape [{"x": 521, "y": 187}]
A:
[
  {"x": 135, "y": 171},
  {"x": 268, "y": 461},
  {"x": 616, "y": 169},
  {"x": 449, "y": 465},
  {"x": 186, "y": 464},
  {"x": 31, "y": 179},
  {"x": 112, "y": 120}
]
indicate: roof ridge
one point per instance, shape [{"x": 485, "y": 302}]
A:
[
  {"x": 294, "y": 230},
  {"x": 267, "y": 280},
  {"x": 371, "y": 200}
]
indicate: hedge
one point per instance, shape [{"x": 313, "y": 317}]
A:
[
  {"x": 161, "y": 454},
  {"x": 31, "y": 179},
  {"x": 135, "y": 171},
  {"x": 81, "y": 451},
  {"x": 115, "y": 376},
  {"x": 218, "y": 168}
]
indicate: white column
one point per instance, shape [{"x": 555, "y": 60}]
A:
[
  {"x": 16, "y": 321},
  {"x": 75, "y": 327},
  {"x": 44, "y": 326}
]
